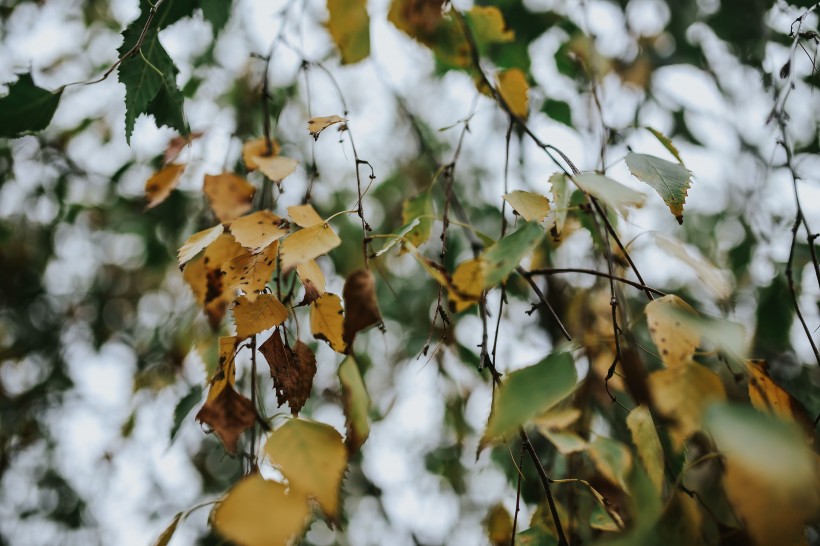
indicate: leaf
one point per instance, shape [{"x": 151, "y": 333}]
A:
[
  {"x": 419, "y": 207},
  {"x": 645, "y": 438},
  {"x": 771, "y": 475},
  {"x": 258, "y": 512},
  {"x": 666, "y": 142},
  {"x": 177, "y": 144},
  {"x": 528, "y": 205},
  {"x": 558, "y": 110},
  {"x": 670, "y": 180},
  {"x": 768, "y": 397},
  {"x": 250, "y": 272},
  {"x": 612, "y": 459},
  {"x": 168, "y": 533},
  {"x": 229, "y": 414},
  {"x": 27, "y": 108},
  {"x": 229, "y": 195},
  {"x": 292, "y": 371},
  {"x": 258, "y": 230},
  {"x": 184, "y": 407},
  {"x": 312, "y": 279},
  {"x": 254, "y": 317},
  {"x": 206, "y": 278},
  {"x": 512, "y": 86},
  {"x": 609, "y": 191},
  {"x": 361, "y": 304},
  {"x": 529, "y": 391},
  {"x": 467, "y": 283},
  {"x": 499, "y": 525},
  {"x": 560, "y": 200},
  {"x": 257, "y": 147},
  {"x": 356, "y": 403},
  {"x": 307, "y": 244},
  {"x": 327, "y": 321},
  {"x": 161, "y": 183},
  {"x": 488, "y": 25},
  {"x": 601, "y": 521},
  {"x": 683, "y": 394},
  {"x": 676, "y": 338},
  {"x": 277, "y": 168},
  {"x": 557, "y": 419},
  {"x": 714, "y": 279},
  {"x": 566, "y": 442},
  {"x": 349, "y": 26},
  {"x": 216, "y": 12},
  {"x": 304, "y": 215},
  {"x": 312, "y": 458},
  {"x": 197, "y": 242},
  {"x": 419, "y": 19}
]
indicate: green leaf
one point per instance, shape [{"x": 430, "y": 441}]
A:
[
  {"x": 612, "y": 459},
  {"x": 670, "y": 180},
  {"x": 356, "y": 404},
  {"x": 667, "y": 143},
  {"x": 184, "y": 407},
  {"x": 349, "y": 26},
  {"x": 27, "y": 108},
  {"x": 529, "y": 391},
  {"x": 611, "y": 192},
  {"x": 216, "y": 12},
  {"x": 558, "y": 110},
  {"x": 508, "y": 252},
  {"x": 488, "y": 25},
  {"x": 419, "y": 207},
  {"x": 168, "y": 533}
]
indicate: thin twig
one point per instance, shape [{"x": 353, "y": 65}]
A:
[{"x": 558, "y": 270}]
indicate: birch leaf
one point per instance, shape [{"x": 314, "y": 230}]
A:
[
  {"x": 207, "y": 281},
  {"x": 612, "y": 193},
  {"x": 277, "y": 168},
  {"x": 361, "y": 304},
  {"x": 768, "y": 397},
  {"x": 566, "y": 442},
  {"x": 229, "y": 195},
  {"x": 292, "y": 371},
  {"x": 715, "y": 280},
  {"x": 612, "y": 459},
  {"x": 488, "y": 25},
  {"x": 528, "y": 205},
  {"x": 26, "y": 108},
  {"x": 666, "y": 142},
  {"x": 250, "y": 272},
  {"x": 304, "y": 215},
  {"x": 670, "y": 180},
  {"x": 257, "y": 147},
  {"x": 197, "y": 242},
  {"x": 645, "y": 437},
  {"x": 307, "y": 244},
  {"x": 676, "y": 339},
  {"x": 312, "y": 458},
  {"x": 499, "y": 525},
  {"x": 312, "y": 279},
  {"x": 512, "y": 86},
  {"x": 229, "y": 414},
  {"x": 356, "y": 403},
  {"x": 560, "y": 199},
  {"x": 316, "y": 125},
  {"x": 161, "y": 183},
  {"x": 327, "y": 321},
  {"x": 419, "y": 207},
  {"x": 349, "y": 26},
  {"x": 258, "y": 230},
  {"x": 254, "y": 317}
]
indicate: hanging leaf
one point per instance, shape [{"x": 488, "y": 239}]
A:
[
  {"x": 197, "y": 242},
  {"x": 499, "y": 525},
  {"x": 161, "y": 183},
  {"x": 714, "y": 279},
  {"x": 316, "y": 125},
  {"x": 277, "y": 168},
  {"x": 258, "y": 230},
  {"x": 292, "y": 371},
  {"x": 768, "y": 397},
  {"x": 512, "y": 86},
  {"x": 670, "y": 180},
  {"x": 528, "y": 205},
  {"x": 488, "y": 25},
  {"x": 169, "y": 531},
  {"x": 312, "y": 458},
  {"x": 349, "y": 26},
  {"x": 312, "y": 279},
  {"x": 527, "y": 392},
  {"x": 609, "y": 191},
  {"x": 560, "y": 200},
  {"x": 307, "y": 244},
  {"x": 645, "y": 437},
  {"x": 250, "y": 272},
  {"x": 258, "y": 147},
  {"x": 207, "y": 281},
  {"x": 304, "y": 215},
  {"x": 612, "y": 459},
  {"x": 467, "y": 283},
  {"x": 254, "y": 317},
  {"x": 229, "y": 414},
  {"x": 361, "y": 304},
  {"x": 258, "y": 512},
  {"x": 356, "y": 403},
  {"x": 177, "y": 144},
  {"x": 666, "y": 142},
  {"x": 26, "y": 108},
  {"x": 675, "y": 337},
  {"x": 327, "y": 321},
  {"x": 229, "y": 195}
]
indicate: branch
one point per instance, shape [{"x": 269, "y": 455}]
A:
[{"x": 558, "y": 270}]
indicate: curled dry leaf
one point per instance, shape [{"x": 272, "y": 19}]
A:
[
  {"x": 258, "y": 147},
  {"x": 361, "y": 304},
  {"x": 258, "y": 230},
  {"x": 304, "y": 215},
  {"x": 197, "y": 242},
  {"x": 312, "y": 279},
  {"x": 229, "y": 195},
  {"x": 316, "y": 125},
  {"x": 250, "y": 272},
  {"x": 176, "y": 145},
  {"x": 254, "y": 317},
  {"x": 277, "y": 168},
  {"x": 327, "y": 321},
  {"x": 207, "y": 280},
  {"x": 292, "y": 371},
  {"x": 229, "y": 414},
  {"x": 161, "y": 183},
  {"x": 675, "y": 337},
  {"x": 307, "y": 244}
]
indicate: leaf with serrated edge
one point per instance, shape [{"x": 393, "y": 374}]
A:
[
  {"x": 349, "y": 26},
  {"x": 307, "y": 244},
  {"x": 676, "y": 339},
  {"x": 26, "y": 108},
  {"x": 645, "y": 437},
  {"x": 356, "y": 403},
  {"x": 197, "y": 242},
  {"x": 528, "y": 205},
  {"x": 161, "y": 183},
  {"x": 312, "y": 458},
  {"x": 304, "y": 215},
  {"x": 277, "y": 168},
  {"x": 230, "y": 195},
  {"x": 292, "y": 371},
  {"x": 612, "y": 193},
  {"x": 250, "y": 272},
  {"x": 254, "y": 317},
  {"x": 258, "y": 230},
  {"x": 258, "y": 512},
  {"x": 670, "y": 180},
  {"x": 327, "y": 321},
  {"x": 512, "y": 86},
  {"x": 316, "y": 125},
  {"x": 527, "y": 392},
  {"x": 312, "y": 279},
  {"x": 257, "y": 147}
]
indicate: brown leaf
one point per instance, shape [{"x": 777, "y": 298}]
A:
[
  {"x": 229, "y": 414},
  {"x": 292, "y": 371},
  {"x": 230, "y": 195},
  {"x": 159, "y": 186},
  {"x": 312, "y": 279},
  {"x": 206, "y": 279},
  {"x": 319, "y": 124},
  {"x": 258, "y": 230},
  {"x": 177, "y": 144},
  {"x": 257, "y": 148},
  {"x": 253, "y": 317},
  {"x": 251, "y": 272},
  {"x": 361, "y": 305}
]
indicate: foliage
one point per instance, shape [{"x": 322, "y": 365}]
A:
[{"x": 673, "y": 400}]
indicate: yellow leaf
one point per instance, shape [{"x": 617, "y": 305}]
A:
[
  {"x": 307, "y": 244},
  {"x": 349, "y": 26},
  {"x": 207, "y": 281},
  {"x": 683, "y": 394},
  {"x": 645, "y": 438},
  {"x": 253, "y": 317},
  {"x": 277, "y": 168},
  {"x": 258, "y": 512},
  {"x": 258, "y": 230},
  {"x": 312, "y": 458},
  {"x": 257, "y": 147},
  {"x": 316, "y": 125},
  {"x": 768, "y": 397},
  {"x": 225, "y": 374},
  {"x": 327, "y": 321},
  {"x": 468, "y": 283},
  {"x": 197, "y": 242},
  {"x": 512, "y": 85},
  {"x": 250, "y": 272},
  {"x": 675, "y": 338},
  {"x": 304, "y": 215},
  {"x": 361, "y": 304},
  {"x": 530, "y": 206},
  {"x": 230, "y": 195},
  {"x": 159, "y": 186},
  {"x": 312, "y": 279},
  {"x": 499, "y": 525},
  {"x": 356, "y": 404},
  {"x": 169, "y": 531}
]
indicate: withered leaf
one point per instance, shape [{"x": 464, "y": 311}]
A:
[
  {"x": 327, "y": 321},
  {"x": 253, "y": 317},
  {"x": 206, "y": 279},
  {"x": 361, "y": 305},
  {"x": 161, "y": 183},
  {"x": 319, "y": 124},
  {"x": 230, "y": 195},
  {"x": 292, "y": 371},
  {"x": 258, "y": 230},
  {"x": 176, "y": 145},
  {"x": 251, "y": 272},
  {"x": 257, "y": 147},
  {"x": 229, "y": 414},
  {"x": 312, "y": 279}
]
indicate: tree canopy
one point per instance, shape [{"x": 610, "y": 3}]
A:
[{"x": 409, "y": 272}]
